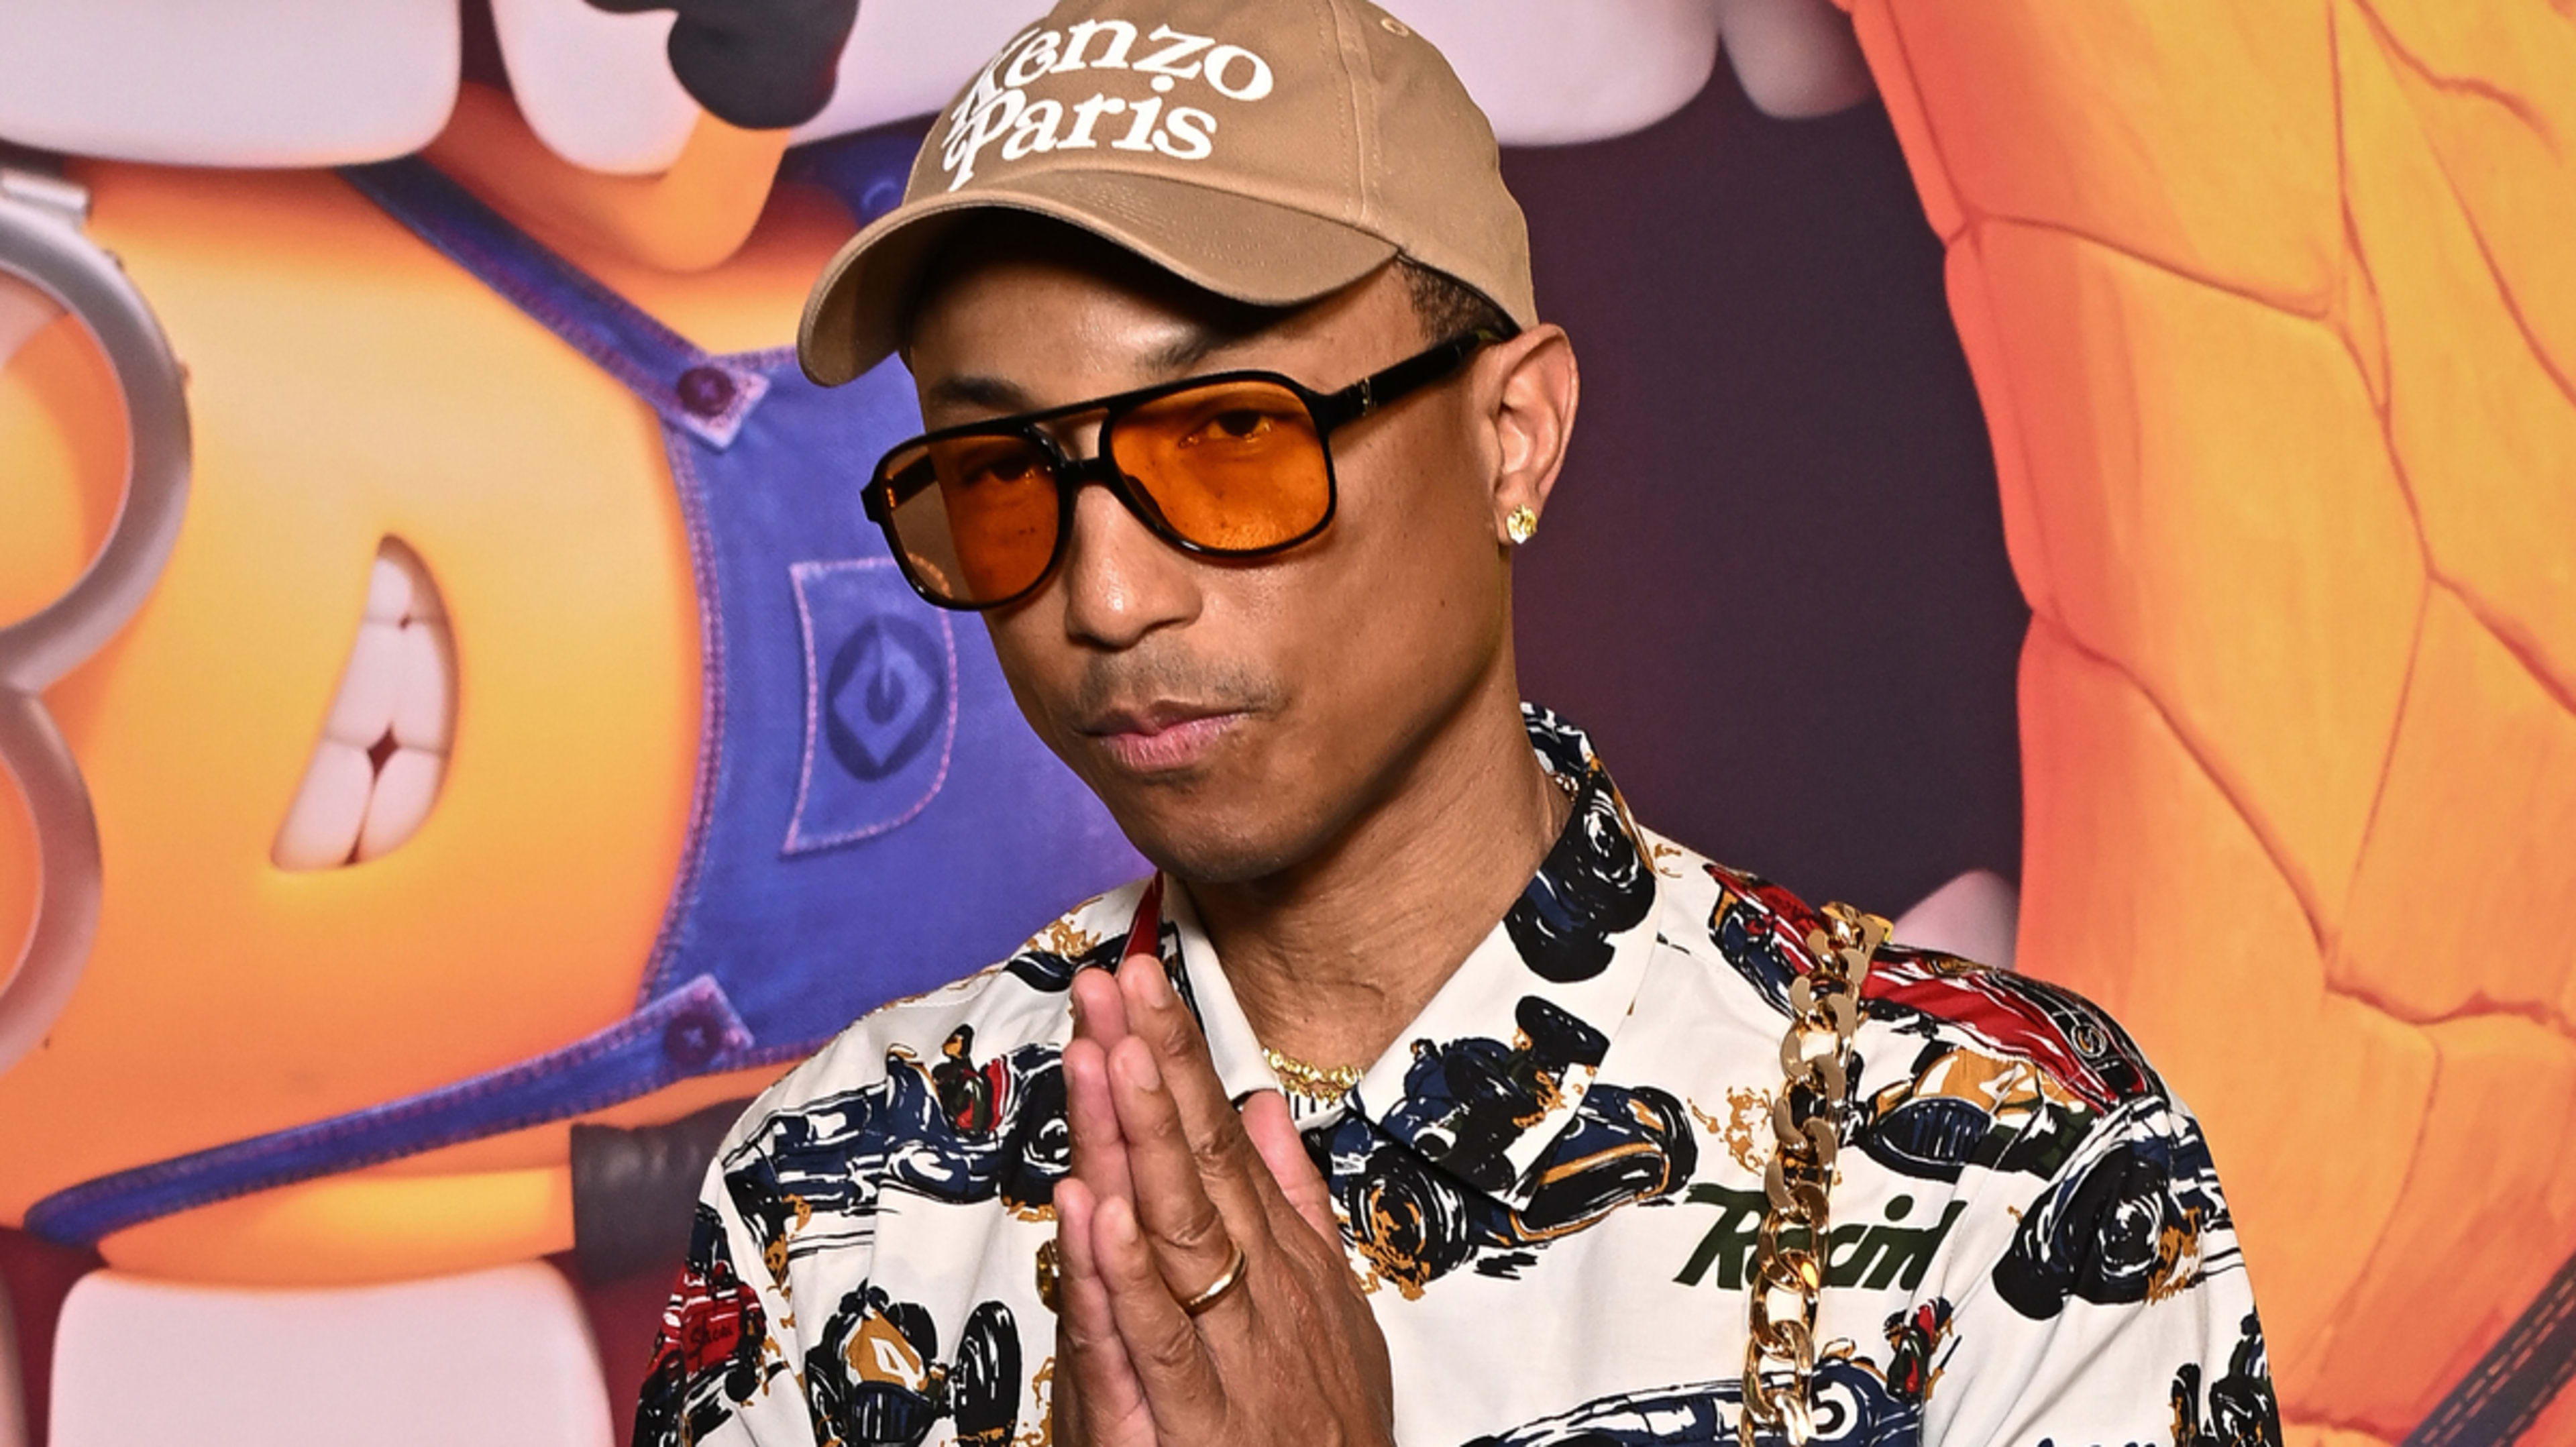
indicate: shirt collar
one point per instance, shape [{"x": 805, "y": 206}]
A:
[{"x": 1493, "y": 1069}]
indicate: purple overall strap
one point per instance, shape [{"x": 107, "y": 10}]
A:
[{"x": 704, "y": 395}]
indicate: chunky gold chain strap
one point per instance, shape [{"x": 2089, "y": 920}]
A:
[{"x": 1789, "y": 1254}]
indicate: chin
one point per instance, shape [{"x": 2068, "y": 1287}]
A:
[
  {"x": 1250, "y": 810},
  {"x": 1204, "y": 847}
]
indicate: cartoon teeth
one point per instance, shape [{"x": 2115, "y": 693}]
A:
[{"x": 375, "y": 774}]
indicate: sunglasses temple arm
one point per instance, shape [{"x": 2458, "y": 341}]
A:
[{"x": 1408, "y": 376}]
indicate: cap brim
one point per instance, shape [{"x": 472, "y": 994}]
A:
[{"x": 1252, "y": 251}]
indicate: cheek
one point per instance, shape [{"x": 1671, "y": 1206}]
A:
[
  {"x": 1422, "y": 544},
  {"x": 1405, "y": 596},
  {"x": 1420, "y": 484},
  {"x": 1020, "y": 646}
]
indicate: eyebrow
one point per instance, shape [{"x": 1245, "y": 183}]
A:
[
  {"x": 996, "y": 395},
  {"x": 1188, "y": 350}
]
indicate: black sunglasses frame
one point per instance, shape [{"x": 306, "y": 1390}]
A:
[{"x": 1330, "y": 412}]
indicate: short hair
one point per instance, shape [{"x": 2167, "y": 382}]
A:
[{"x": 1448, "y": 307}]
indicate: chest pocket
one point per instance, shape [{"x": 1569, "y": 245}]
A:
[{"x": 880, "y": 702}]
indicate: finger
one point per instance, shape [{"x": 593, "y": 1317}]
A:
[
  {"x": 1210, "y": 1131},
  {"x": 1172, "y": 1366},
  {"x": 1099, "y": 1147},
  {"x": 1192, "y": 1241},
  {"x": 1097, "y": 1387},
  {"x": 1099, "y": 1017},
  {"x": 1099, "y": 1012},
  {"x": 1283, "y": 1150}
]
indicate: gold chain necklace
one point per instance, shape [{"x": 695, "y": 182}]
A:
[
  {"x": 1325, "y": 1085},
  {"x": 1789, "y": 1254},
  {"x": 1330, "y": 1085}
]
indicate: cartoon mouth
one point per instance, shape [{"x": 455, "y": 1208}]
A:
[{"x": 375, "y": 775}]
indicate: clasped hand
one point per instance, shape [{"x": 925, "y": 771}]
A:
[{"x": 1169, "y": 1181}]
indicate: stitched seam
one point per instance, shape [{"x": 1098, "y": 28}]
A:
[
  {"x": 677, "y": 918},
  {"x": 795, "y": 843},
  {"x": 94, "y": 1206}
]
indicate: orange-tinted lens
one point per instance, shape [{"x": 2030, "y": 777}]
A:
[
  {"x": 979, "y": 523},
  {"x": 1234, "y": 466}
]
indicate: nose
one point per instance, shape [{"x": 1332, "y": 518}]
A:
[
  {"x": 1120, "y": 582},
  {"x": 1078, "y": 435}
]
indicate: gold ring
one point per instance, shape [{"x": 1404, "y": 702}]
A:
[{"x": 1226, "y": 1281}]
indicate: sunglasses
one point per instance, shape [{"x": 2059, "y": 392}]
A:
[{"x": 1232, "y": 465}]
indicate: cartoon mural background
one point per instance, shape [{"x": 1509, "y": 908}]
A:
[{"x": 500, "y": 752}]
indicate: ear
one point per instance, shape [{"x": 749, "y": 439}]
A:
[{"x": 1531, "y": 387}]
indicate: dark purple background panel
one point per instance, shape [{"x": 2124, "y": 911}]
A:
[{"x": 1772, "y": 581}]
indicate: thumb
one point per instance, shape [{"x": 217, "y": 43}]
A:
[{"x": 1266, "y": 1120}]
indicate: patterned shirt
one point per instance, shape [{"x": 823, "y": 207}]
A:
[{"x": 1550, "y": 1186}]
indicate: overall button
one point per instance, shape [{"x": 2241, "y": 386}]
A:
[
  {"x": 706, "y": 391},
  {"x": 694, "y": 1037}
]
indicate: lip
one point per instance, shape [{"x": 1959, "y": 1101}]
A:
[{"x": 1163, "y": 738}]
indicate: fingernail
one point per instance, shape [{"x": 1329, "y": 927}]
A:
[
  {"x": 1156, "y": 986},
  {"x": 1119, "y": 1220},
  {"x": 1139, "y": 1065}
]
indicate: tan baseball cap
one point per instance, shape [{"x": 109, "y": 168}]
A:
[{"x": 1272, "y": 151}]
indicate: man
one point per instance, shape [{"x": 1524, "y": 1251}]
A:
[{"x": 1421, "y": 1096}]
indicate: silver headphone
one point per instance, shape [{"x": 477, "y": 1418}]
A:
[{"x": 42, "y": 247}]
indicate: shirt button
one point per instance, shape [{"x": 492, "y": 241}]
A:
[
  {"x": 693, "y": 1038},
  {"x": 706, "y": 391}
]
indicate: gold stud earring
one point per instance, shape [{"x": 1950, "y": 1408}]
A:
[{"x": 1521, "y": 525}]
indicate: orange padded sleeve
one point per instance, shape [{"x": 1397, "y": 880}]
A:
[{"x": 2273, "y": 314}]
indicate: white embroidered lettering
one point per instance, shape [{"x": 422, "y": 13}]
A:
[
  {"x": 1221, "y": 60},
  {"x": 1034, "y": 61},
  {"x": 987, "y": 126},
  {"x": 1167, "y": 61},
  {"x": 987, "y": 87},
  {"x": 1122, "y": 37},
  {"x": 1138, "y": 137},
  {"x": 1085, "y": 116},
  {"x": 996, "y": 106},
  {"x": 1035, "y": 130},
  {"x": 1185, "y": 134}
]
